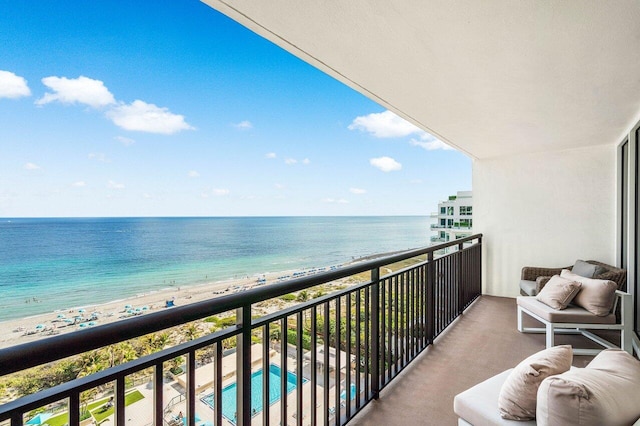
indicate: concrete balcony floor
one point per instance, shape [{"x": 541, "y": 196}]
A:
[{"x": 481, "y": 343}]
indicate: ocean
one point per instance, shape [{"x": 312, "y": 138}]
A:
[{"x": 52, "y": 264}]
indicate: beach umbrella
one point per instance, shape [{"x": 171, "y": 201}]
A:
[
  {"x": 68, "y": 320},
  {"x": 39, "y": 419},
  {"x": 83, "y": 325},
  {"x": 40, "y": 326},
  {"x": 81, "y": 310},
  {"x": 61, "y": 316},
  {"x": 127, "y": 306}
]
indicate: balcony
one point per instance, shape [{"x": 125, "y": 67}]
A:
[
  {"x": 452, "y": 227},
  {"x": 339, "y": 350},
  {"x": 480, "y": 344}
]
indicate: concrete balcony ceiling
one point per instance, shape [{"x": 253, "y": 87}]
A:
[{"x": 489, "y": 78}]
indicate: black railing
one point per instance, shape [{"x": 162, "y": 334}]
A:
[{"x": 326, "y": 358}]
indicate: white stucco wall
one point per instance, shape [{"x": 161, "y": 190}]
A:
[{"x": 544, "y": 209}]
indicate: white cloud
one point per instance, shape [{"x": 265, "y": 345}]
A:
[
  {"x": 416, "y": 181},
  {"x": 388, "y": 125},
  {"x": 384, "y": 125},
  {"x": 13, "y": 86},
  {"x": 279, "y": 186},
  {"x": 32, "y": 166},
  {"x": 386, "y": 164},
  {"x": 290, "y": 161},
  {"x": 243, "y": 125},
  {"x": 429, "y": 143},
  {"x": 193, "y": 174},
  {"x": 81, "y": 90},
  {"x": 357, "y": 191},
  {"x": 125, "y": 141},
  {"x": 79, "y": 184},
  {"x": 270, "y": 155},
  {"x": 98, "y": 156},
  {"x": 335, "y": 201},
  {"x": 306, "y": 161},
  {"x": 115, "y": 185},
  {"x": 143, "y": 117},
  {"x": 219, "y": 192},
  {"x": 147, "y": 196}
]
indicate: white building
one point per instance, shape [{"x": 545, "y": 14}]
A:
[{"x": 454, "y": 218}]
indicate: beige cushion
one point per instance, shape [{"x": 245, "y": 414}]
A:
[
  {"x": 478, "y": 404},
  {"x": 572, "y": 314},
  {"x": 606, "y": 392},
  {"x": 558, "y": 292},
  {"x": 596, "y": 296},
  {"x": 517, "y": 399}
]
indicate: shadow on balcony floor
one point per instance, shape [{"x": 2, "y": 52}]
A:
[{"x": 482, "y": 343}]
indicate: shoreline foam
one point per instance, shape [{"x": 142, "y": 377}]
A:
[{"x": 26, "y": 329}]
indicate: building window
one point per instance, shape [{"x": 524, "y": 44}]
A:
[
  {"x": 450, "y": 211},
  {"x": 443, "y": 210},
  {"x": 443, "y": 222},
  {"x": 449, "y": 223},
  {"x": 466, "y": 210}
]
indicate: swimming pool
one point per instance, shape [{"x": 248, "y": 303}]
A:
[{"x": 229, "y": 392}]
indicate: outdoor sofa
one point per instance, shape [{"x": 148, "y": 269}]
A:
[{"x": 545, "y": 390}]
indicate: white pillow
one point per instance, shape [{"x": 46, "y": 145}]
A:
[
  {"x": 606, "y": 392},
  {"x": 596, "y": 296},
  {"x": 558, "y": 292},
  {"x": 518, "y": 395}
]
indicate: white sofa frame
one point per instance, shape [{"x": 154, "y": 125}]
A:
[{"x": 551, "y": 328}]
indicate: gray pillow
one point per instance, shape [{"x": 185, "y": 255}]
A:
[{"x": 587, "y": 270}]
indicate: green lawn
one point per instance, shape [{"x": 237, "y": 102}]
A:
[
  {"x": 94, "y": 408},
  {"x": 99, "y": 414}
]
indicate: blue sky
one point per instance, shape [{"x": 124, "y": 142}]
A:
[{"x": 168, "y": 108}]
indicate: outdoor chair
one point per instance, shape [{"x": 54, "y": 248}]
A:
[
  {"x": 571, "y": 302},
  {"x": 576, "y": 320},
  {"x": 533, "y": 278}
]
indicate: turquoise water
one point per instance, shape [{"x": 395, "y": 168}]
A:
[
  {"x": 229, "y": 402},
  {"x": 65, "y": 263}
]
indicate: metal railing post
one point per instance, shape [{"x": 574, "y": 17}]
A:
[
  {"x": 431, "y": 304},
  {"x": 243, "y": 366},
  {"x": 375, "y": 332},
  {"x": 461, "y": 279},
  {"x": 119, "y": 415},
  {"x": 158, "y": 396},
  {"x": 191, "y": 388}
]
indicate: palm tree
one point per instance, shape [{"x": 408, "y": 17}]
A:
[
  {"x": 90, "y": 363},
  {"x": 121, "y": 353},
  {"x": 190, "y": 332}
]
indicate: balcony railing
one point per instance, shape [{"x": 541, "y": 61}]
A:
[
  {"x": 456, "y": 226},
  {"x": 327, "y": 357}
]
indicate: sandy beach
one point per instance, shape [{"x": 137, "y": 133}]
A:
[{"x": 67, "y": 320}]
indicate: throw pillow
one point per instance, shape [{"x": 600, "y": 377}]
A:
[
  {"x": 596, "y": 296},
  {"x": 587, "y": 270},
  {"x": 558, "y": 292},
  {"x": 604, "y": 393},
  {"x": 518, "y": 395}
]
